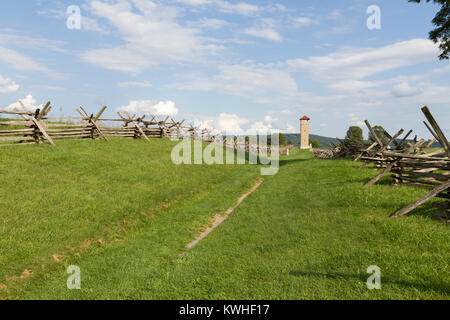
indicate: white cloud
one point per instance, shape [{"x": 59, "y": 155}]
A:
[
  {"x": 7, "y": 85},
  {"x": 230, "y": 122},
  {"x": 443, "y": 69},
  {"x": 212, "y": 23},
  {"x": 403, "y": 89},
  {"x": 18, "y": 60},
  {"x": 12, "y": 38},
  {"x": 290, "y": 129},
  {"x": 28, "y": 102},
  {"x": 352, "y": 85},
  {"x": 166, "y": 108},
  {"x": 195, "y": 2},
  {"x": 352, "y": 65},
  {"x": 261, "y": 126},
  {"x": 264, "y": 32},
  {"x": 355, "y": 120},
  {"x": 246, "y": 80},
  {"x": 21, "y": 62},
  {"x": 235, "y": 124},
  {"x": 147, "y": 107},
  {"x": 242, "y": 8},
  {"x": 224, "y": 122},
  {"x": 207, "y": 124},
  {"x": 140, "y": 84},
  {"x": 270, "y": 123},
  {"x": 87, "y": 23},
  {"x": 265, "y": 28},
  {"x": 301, "y": 22},
  {"x": 90, "y": 24},
  {"x": 431, "y": 94},
  {"x": 151, "y": 35}
]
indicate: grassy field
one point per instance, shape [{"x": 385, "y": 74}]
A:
[
  {"x": 60, "y": 203},
  {"x": 123, "y": 213}
]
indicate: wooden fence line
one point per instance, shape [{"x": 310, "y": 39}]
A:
[
  {"x": 411, "y": 164},
  {"x": 38, "y": 127}
]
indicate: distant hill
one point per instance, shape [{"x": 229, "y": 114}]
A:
[{"x": 324, "y": 141}]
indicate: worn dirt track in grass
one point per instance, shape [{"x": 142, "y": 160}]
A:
[{"x": 218, "y": 219}]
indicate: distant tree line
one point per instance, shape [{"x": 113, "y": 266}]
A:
[
  {"x": 282, "y": 141},
  {"x": 356, "y": 133}
]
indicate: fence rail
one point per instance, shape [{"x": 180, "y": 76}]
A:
[
  {"x": 37, "y": 127},
  {"x": 412, "y": 164}
]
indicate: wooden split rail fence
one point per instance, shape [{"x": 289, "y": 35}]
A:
[
  {"x": 412, "y": 164},
  {"x": 37, "y": 127},
  {"x": 239, "y": 144}
]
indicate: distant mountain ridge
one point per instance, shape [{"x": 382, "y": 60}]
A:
[{"x": 324, "y": 141}]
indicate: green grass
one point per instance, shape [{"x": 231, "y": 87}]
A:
[
  {"x": 11, "y": 127},
  {"x": 309, "y": 232},
  {"x": 15, "y": 127},
  {"x": 67, "y": 200}
]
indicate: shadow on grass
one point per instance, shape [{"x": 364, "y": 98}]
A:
[
  {"x": 385, "y": 181},
  {"x": 427, "y": 285},
  {"x": 425, "y": 210}
]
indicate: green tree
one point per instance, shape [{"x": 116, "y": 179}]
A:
[
  {"x": 283, "y": 139},
  {"x": 289, "y": 142},
  {"x": 379, "y": 131},
  {"x": 354, "y": 132},
  {"x": 441, "y": 34},
  {"x": 315, "y": 144}
]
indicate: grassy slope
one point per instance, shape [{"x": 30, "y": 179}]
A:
[
  {"x": 309, "y": 232},
  {"x": 82, "y": 196}
]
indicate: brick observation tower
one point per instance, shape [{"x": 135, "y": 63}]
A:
[{"x": 304, "y": 132}]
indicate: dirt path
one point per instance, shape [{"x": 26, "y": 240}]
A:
[{"x": 218, "y": 219}]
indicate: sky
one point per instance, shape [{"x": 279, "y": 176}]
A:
[{"x": 228, "y": 65}]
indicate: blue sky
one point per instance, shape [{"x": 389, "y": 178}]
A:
[{"x": 228, "y": 64}]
